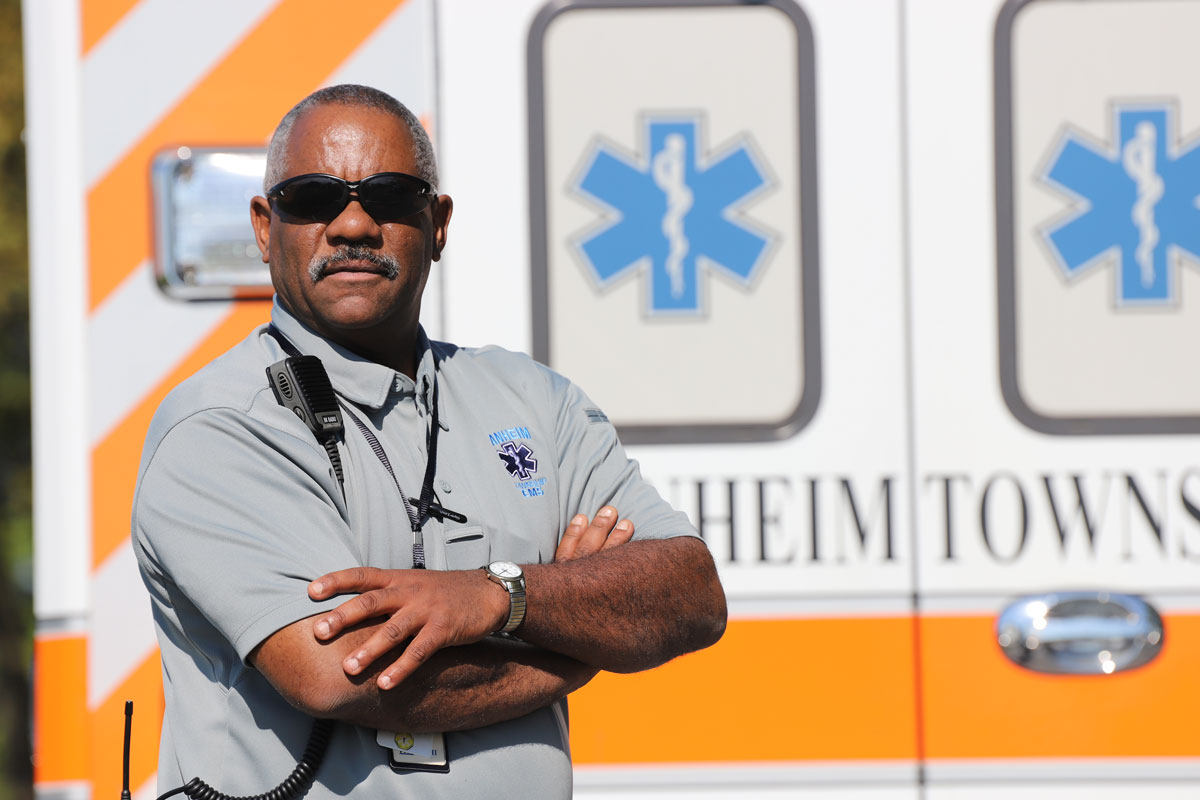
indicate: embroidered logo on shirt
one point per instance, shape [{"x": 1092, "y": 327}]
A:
[
  {"x": 509, "y": 435},
  {"x": 518, "y": 460}
]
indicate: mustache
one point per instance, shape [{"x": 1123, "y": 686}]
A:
[{"x": 386, "y": 264}]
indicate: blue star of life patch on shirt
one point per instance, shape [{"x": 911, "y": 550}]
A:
[{"x": 518, "y": 460}]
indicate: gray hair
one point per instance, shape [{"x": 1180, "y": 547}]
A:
[{"x": 350, "y": 94}]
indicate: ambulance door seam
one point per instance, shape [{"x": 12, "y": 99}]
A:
[{"x": 910, "y": 390}]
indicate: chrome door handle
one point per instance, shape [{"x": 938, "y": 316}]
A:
[{"x": 1080, "y": 633}]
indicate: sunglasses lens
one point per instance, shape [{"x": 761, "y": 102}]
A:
[
  {"x": 316, "y": 197},
  {"x": 393, "y": 196}
]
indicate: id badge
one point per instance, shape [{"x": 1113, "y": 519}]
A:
[{"x": 425, "y": 752}]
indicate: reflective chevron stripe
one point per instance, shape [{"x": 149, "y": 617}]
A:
[{"x": 102, "y": 331}]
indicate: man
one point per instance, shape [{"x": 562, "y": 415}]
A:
[{"x": 281, "y": 593}]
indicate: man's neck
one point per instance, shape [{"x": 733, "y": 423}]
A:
[
  {"x": 391, "y": 348},
  {"x": 392, "y": 342}
]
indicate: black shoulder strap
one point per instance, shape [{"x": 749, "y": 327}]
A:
[{"x": 284, "y": 342}]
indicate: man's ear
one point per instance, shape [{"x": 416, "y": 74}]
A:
[
  {"x": 443, "y": 207},
  {"x": 260, "y": 218}
]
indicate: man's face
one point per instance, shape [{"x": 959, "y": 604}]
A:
[{"x": 334, "y": 276}]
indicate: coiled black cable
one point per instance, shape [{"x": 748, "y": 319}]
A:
[{"x": 292, "y": 786}]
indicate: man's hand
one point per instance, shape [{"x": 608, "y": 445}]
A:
[
  {"x": 434, "y": 608},
  {"x": 430, "y": 609},
  {"x": 581, "y": 539}
]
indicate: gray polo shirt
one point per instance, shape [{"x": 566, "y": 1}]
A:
[{"x": 237, "y": 509}]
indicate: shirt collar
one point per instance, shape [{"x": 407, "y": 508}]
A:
[{"x": 357, "y": 379}]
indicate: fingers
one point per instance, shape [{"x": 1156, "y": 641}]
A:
[
  {"x": 417, "y": 653},
  {"x": 375, "y": 603},
  {"x": 581, "y": 539},
  {"x": 424, "y": 610},
  {"x": 390, "y": 635},
  {"x": 620, "y": 535},
  {"x": 345, "y": 581},
  {"x": 570, "y": 538},
  {"x": 594, "y": 535}
]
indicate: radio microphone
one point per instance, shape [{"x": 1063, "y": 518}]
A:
[{"x": 125, "y": 760}]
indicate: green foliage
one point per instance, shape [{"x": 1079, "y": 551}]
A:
[{"x": 16, "y": 517}]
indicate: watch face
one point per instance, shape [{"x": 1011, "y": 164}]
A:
[{"x": 505, "y": 569}]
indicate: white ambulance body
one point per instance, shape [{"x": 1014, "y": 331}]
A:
[{"x": 893, "y": 297}]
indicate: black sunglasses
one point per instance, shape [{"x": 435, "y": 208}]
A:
[{"x": 318, "y": 197}]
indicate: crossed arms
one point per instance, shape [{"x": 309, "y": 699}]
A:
[{"x": 413, "y": 651}]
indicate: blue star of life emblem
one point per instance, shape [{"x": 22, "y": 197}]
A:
[
  {"x": 518, "y": 460},
  {"x": 1136, "y": 201},
  {"x": 673, "y": 214}
]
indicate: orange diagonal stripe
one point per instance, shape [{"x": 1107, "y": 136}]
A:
[
  {"x": 98, "y": 17},
  {"x": 106, "y": 725},
  {"x": 115, "y": 460},
  {"x": 289, "y": 54}
]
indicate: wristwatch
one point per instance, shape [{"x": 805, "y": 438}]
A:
[{"x": 512, "y": 578}]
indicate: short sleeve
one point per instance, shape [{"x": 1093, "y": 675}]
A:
[
  {"x": 594, "y": 469},
  {"x": 237, "y": 517}
]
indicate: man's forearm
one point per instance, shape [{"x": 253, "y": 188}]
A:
[
  {"x": 467, "y": 687},
  {"x": 458, "y": 688},
  {"x": 629, "y": 608},
  {"x": 621, "y": 609}
]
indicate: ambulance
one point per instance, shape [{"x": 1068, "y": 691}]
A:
[{"x": 897, "y": 299}]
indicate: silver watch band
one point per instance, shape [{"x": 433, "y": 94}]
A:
[
  {"x": 512, "y": 578},
  {"x": 516, "y": 610}
]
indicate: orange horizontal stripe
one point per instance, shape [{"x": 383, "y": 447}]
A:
[
  {"x": 978, "y": 704},
  {"x": 98, "y": 17},
  {"x": 115, "y": 460},
  {"x": 769, "y": 690},
  {"x": 106, "y": 725},
  {"x": 59, "y": 708},
  {"x": 288, "y": 55}
]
